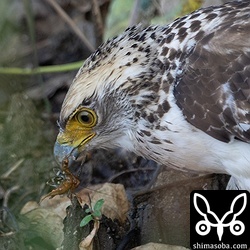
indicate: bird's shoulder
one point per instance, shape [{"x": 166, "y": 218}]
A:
[{"x": 213, "y": 89}]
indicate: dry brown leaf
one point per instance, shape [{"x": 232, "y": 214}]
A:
[
  {"x": 158, "y": 246},
  {"x": 29, "y": 206},
  {"x": 115, "y": 205},
  {"x": 58, "y": 204},
  {"x": 87, "y": 243}
]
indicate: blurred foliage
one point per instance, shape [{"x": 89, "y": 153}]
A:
[
  {"x": 125, "y": 13},
  {"x": 118, "y": 18},
  {"x": 26, "y": 140},
  {"x": 191, "y": 5},
  {"x": 10, "y": 36},
  {"x": 13, "y": 46},
  {"x": 23, "y": 137}
]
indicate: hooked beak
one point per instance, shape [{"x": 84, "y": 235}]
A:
[
  {"x": 70, "y": 144},
  {"x": 62, "y": 151}
]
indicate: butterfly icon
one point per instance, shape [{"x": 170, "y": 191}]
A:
[{"x": 203, "y": 227}]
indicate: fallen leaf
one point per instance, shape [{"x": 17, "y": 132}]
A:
[{"x": 158, "y": 246}]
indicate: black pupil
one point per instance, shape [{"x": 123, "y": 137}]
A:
[{"x": 85, "y": 118}]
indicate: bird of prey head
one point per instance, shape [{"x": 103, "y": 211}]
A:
[
  {"x": 178, "y": 94},
  {"x": 104, "y": 103}
]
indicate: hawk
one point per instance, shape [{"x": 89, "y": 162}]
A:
[{"x": 178, "y": 94}]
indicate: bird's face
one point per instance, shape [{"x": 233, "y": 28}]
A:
[{"x": 96, "y": 123}]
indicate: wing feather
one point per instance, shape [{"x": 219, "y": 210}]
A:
[{"x": 214, "y": 90}]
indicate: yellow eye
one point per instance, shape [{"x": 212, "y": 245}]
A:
[{"x": 86, "y": 117}]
